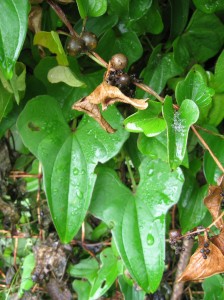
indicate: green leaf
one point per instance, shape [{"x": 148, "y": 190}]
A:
[
  {"x": 191, "y": 205},
  {"x": 130, "y": 292},
  {"x": 194, "y": 87},
  {"x": 91, "y": 8},
  {"x": 82, "y": 288},
  {"x": 202, "y": 39},
  {"x": 5, "y": 99},
  {"x": 216, "y": 113},
  {"x": 138, "y": 221},
  {"x": 128, "y": 43},
  {"x": 217, "y": 83},
  {"x": 137, "y": 9},
  {"x": 179, "y": 17},
  {"x": 13, "y": 27},
  {"x": 213, "y": 287},
  {"x": 159, "y": 69},
  {"x": 51, "y": 41},
  {"x": 209, "y": 6},
  {"x": 64, "y": 74},
  {"x": 26, "y": 281},
  {"x": 118, "y": 7},
  {"x": 44, "y": 131},
  {"x": 86, "y": 268},
  {"x": 106, "y": 275},
  {"x": 178, "y": 124},
  {"x": 155, "y": 147},
  {"x": 148, "y": 121},
  {"x": 211, "y": 170}
]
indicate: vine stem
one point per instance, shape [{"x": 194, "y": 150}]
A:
[
  {"x": 208, "y": 148},
  {"x": 133, "y": 183},
  {"x": 147, "y": 89},
  {"x": 213, "y": 223}
]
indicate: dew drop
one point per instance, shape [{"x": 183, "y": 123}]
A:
[
  {"x": 150, "y": 239},
  {"x": 79, "y": 194},
  {"x": 75, "y": 171},
  {"x": 150, "y": 172}
]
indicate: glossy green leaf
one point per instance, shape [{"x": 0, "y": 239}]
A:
[
  {"x": 139, "y": 8},
  {"x": 82, "y": 288},
  {"x": 209, "y": 6},
  {"x": 47, "y": 135},
  {"x": 91, "y": 8},
  {"x": 26, "y": 281},
  {"x": 217, "y": 81},
  {"x": 106, "y": 275},
  {"x": 118, "y": 7},
  {"x": 64, "y": 74},
  {"x": 51, "y": 41},
  {"x": 213, "y": 287},
  {"x": 128, "y": 43},
  {"x": 202, "y": 39},
  {"x": 179, "y": 16},
  {"x": 130, "y": 292},
  {"x": 191, "y": 206},
  {"x": 178, "y": 125},
  {"x": 155, "y": 147},
  {"x": 216, "y": 113},
  {"x": 5, "y": 99},
  {"x": 13, "y": 27},
  {"x": 211, "y": 170},
  {"x": 86, "y": 268},
  {"x": 137, "y": 220},
  {"x": 159, "y": 69},
  {"x": 148, "y": 121},
  {"x": 195, "y": 88}
]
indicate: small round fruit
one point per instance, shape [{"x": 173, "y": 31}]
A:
[
  {"x": 75, "y": 46},
  {"x": 90, "y": 40},
  {"x": 124, "y": 80},
  {"x": 119, "y": 61}
]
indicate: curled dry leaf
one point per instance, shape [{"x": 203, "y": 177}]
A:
[
  {"x": 35, "y": 19},
  {"x": 93, "y": 111},
  {"x": 199, "y": 267},
  {"x": 106, "y": 95},
  {"x": 213, "y": 202},
  {"x": 218, "y": 240}
]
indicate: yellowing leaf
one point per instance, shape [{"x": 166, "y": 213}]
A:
[{"x": 64, "y": 74}]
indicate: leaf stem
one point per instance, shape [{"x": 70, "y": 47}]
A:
[
  {"x": 208, "y": 148},
  {"x": 210, "y": 131},
  {"x": 133, "y": 183},
  {"x": 147, "y": 89},
  {"x": 213, "y": 223},
  {"x": 63, "y": 17}
]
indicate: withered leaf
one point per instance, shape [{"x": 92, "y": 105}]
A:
[
  {"x": 213, "y": 202},
  {"x": 200, "y": 268},
  {"x": 218, "y": 240},
  {"x": 35, "y": 18},
  {"x": 93, "y": 111},
  {"x": 107, "y": 94}
]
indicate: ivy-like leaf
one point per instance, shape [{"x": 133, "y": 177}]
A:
[
  {"x": 213, "y": 287},
  {"x": 195, "y": 88},
  {"x": 13, "y": 27},
  {"x": 64, "y": 74},
  {"x": 138, "y": 221},
  {"x": 26, "y": 281},
  {"x": 208, "y": 6},
  {"x": 178, "y": 124},
  {"x": 51, "y": 41},
  {"x": 68, "y": 165},
  {"x": 217, "y": 82},
  {"x": 148, "y": 121},
  {"x": 91, "y": 8},
  {"x": 5, "y": 99}
]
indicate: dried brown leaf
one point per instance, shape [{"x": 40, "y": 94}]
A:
[
  {"x": 200, "y": 268},
  {"x": 218, "y": 240},
  {"x": 107, "y": 94},
  {"x": 35, "y": 19},
  {"x": 93, "y": 111},
  {"x": 213, "y": 202}
]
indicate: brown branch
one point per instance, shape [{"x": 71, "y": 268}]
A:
[
  {"x": 147, "y": 89},
  {"x": 182, "y": 263},
  {"x": 208, "y": 148}
]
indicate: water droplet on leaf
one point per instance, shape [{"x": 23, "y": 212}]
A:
[
  {"x": 79, "y": 194},
  {"x": 150, "y": 239},
  {"x": 75, "y": 171}
]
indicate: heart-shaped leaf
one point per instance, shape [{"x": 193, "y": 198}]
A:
[
  {"x": 13, "y": 27},
  {"x": 195, "y": 88},
  {"x": 178, "y": 124},
  {"x": 138, "y": 221},
  {"x": 148, "y": 121},
  {"x": 68, "y": 165}
]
